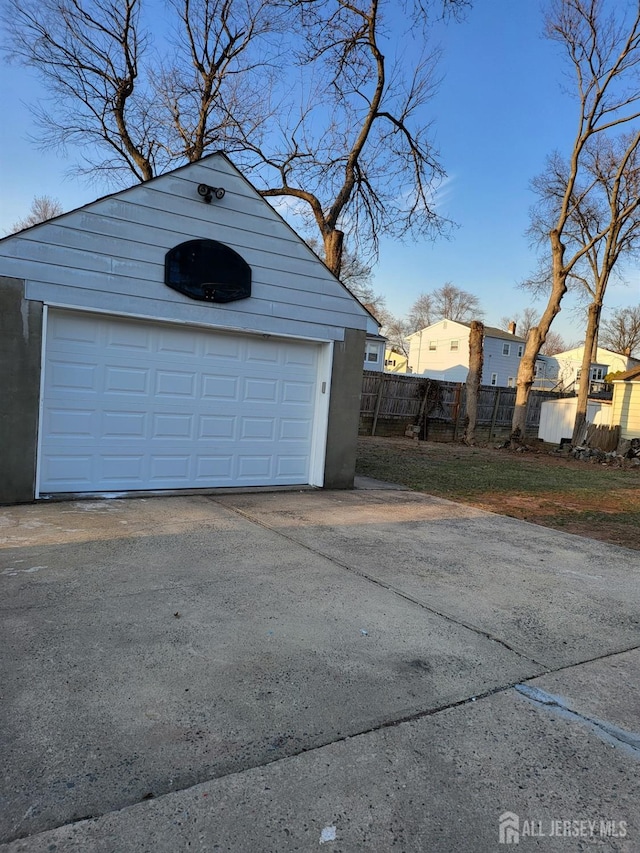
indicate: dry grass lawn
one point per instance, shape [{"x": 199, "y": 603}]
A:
[{"x": 590, "y": 499}]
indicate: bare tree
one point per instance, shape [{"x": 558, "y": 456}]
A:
[
  {"x": 43, "y": 207},
  {"x": 422, "y": 313},
  {"x": 620, "y": 332},
  {"x": 452, "y": 303},
  {"x": 605, "y": 201},
  {"x": 355, "y": 152},
  {"x": 602, "y": 44},
  {"x": 350, "y": 143},
  {"x": 130, "y": 114},
  {"x": 474, "y": 377},
  {"x": 396, "y": 331},
  {"x": 524, "y": 321},
  {"x": 357, "y": 276},
  {"x": 553, "y": 344},
  {"x": 445, "y": 303}
]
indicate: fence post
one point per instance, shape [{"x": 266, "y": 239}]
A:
[
  {"x": 457, "y": 406},
  {"x": 494, "y": 413},
  {"x": 378, "y": 404}
]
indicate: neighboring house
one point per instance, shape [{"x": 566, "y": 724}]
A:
[
  {"x": 175, "y": 335},
  {"x": 395, "y": 362},
  {"x": 626, "y": 403},
  {"x": 441, "y": 351},
  {"x": 374, "y": 351},
  {"x": 567, "y": 366}
]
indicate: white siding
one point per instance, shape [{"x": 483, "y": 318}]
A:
[
  {"x": 422, "y": 359},
  {"x": 557, "y": 417},
  {"x": 452, "y": 365},
  {"x": 110, "y": 256}
]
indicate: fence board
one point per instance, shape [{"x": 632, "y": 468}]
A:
[{"x": 397, "y": 397}]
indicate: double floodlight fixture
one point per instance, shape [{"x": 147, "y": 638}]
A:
[{"x": 207, "y": 193}]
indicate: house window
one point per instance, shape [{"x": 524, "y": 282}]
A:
[
  {"x": 578, "y": 373},
  {"x": 494, "y": 378},
  {"x": 520, "y": 350},
  {"x": 454, "y": 346},
  {"x": 506, "y": 349},
  {"x": 511, "y": 382},
  {"x": 432, "y": 345},
  {"x": 597, "y": 373},
  {"x": 371, "y": 353}
]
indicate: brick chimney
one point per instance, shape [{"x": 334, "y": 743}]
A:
[{"x": 512, "y": 328}]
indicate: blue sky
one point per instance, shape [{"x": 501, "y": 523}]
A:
[{"x": 499, "y": 111}]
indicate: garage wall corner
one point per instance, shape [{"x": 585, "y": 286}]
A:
[
  {"x": 344, "y": 410},
  {"x": 20, "y": 359}
]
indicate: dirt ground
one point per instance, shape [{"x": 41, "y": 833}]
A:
[{"x": 588, "y": 498}]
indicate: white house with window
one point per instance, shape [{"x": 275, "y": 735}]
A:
[
  {"x": 374, "y": 350},
  {"x": 567, "y": 366},
  {"x": 441, "y": 351}
]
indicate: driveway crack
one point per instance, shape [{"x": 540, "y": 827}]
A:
[{"x": 390, "y": 588}]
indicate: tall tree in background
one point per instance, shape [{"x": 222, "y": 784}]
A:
[
  {"x": 358, "y": 277},
  {"x": 620, "y": 332},
  {"x": 474, "y": 377},
  {"x": 43, "y": 207},
  {"x": 554, "y": 342},
  {"x": 605, "y": 201},
  {"x": 131, "y": 114},
  {"x": 602, "y": 44},
  {"x": 445, "y": 303},
  {"x": 355, "y": 152},
  {"x": 524, "y": 321},
  {"x": 340, "y": 129}
]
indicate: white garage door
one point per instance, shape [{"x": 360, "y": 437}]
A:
[{"x": 133, "y": 405}]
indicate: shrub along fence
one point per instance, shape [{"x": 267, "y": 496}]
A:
[{"x": 390, "y": 404}]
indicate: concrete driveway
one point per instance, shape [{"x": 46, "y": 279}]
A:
[{"x": 371, "y": 670}]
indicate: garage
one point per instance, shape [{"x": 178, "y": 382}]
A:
[
  {"x": 134, "y": 405},
  {"x": 175, "y": 335}
]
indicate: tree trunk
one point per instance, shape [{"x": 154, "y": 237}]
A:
[
  {"x": 590, "y": 347},
  {"x": 333, "y": 241},
  {"x": 476, "y": 358},
  {"x": 537, "y": 336}
]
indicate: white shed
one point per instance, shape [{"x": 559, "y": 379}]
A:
[{"x": 557, "y": 417}]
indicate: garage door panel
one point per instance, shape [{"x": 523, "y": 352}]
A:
[
  {"x": 290, "y": 467},
  {"x": 220, "y": 387},
  {"x": 297, "y": 392},
  {"x": 120, "y": 379},
  {"x": 260, "y": 390},
  {"x": 219, "y": 427},
  {"x": 70, "y": 423},
  {"x": 136, "y": 405},
  {"x": 119, "y": 469},
  {"x": 299, "y": 429},
  {"x": 121, "y": 338},
  {"x": 69, "y": 376},
  {"x": 68, "y": 470},
  {"x": 215, "y": 467}
]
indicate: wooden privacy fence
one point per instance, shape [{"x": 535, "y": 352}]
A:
[
  {"x": 417, "y": 400},
  {"x": 602, "y": 437}
]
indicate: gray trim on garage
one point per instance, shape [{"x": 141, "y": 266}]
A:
[
  {"x": 20, "y": 360},
  {"x": 344, "y": 410}
]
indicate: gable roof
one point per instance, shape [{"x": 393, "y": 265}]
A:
[
  {"x": 125, "y": 194},
  {"x": 489, "y": 331}
]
